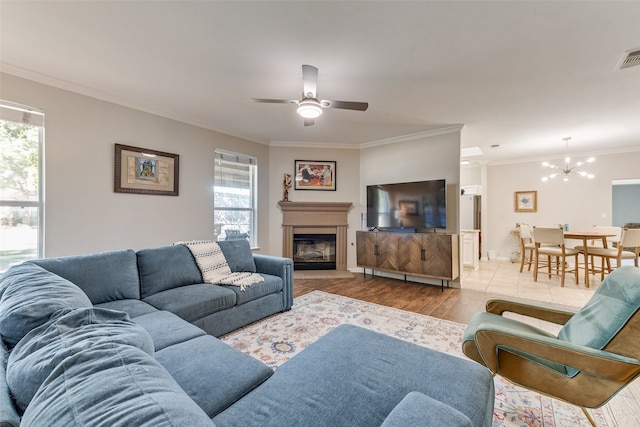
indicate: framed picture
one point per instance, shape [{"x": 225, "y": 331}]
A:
[
  {"x": 315, "y": 175},
  {"x": 143, "y": 171},
  {"x": 526, "y": 201},
  {"x": 408, "y": 207}
]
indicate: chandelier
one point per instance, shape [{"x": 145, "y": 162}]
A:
[{"x": 567, "y": 168}]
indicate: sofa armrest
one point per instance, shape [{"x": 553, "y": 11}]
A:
[
  {"x": 417, "y": 409},
  {"x": 281, "y": 267},
  {"x": 8, "y": 414}
]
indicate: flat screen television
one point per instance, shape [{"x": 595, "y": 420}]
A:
[{"x": 407, "y": 205}]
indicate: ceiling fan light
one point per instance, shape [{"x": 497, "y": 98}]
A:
[{"x": 309, "y": 109}]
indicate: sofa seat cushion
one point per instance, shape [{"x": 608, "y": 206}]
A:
[
  {"x": 133, "y": 307},
  {"x": 29, "y": 295},
  {"x": 166, "y": 268},
  {"x": 67, "y": 332},
  {"x": 417, "y": 409},
  {"x": 194, "y": 301},
  {"x": 167, "y": 329},
  {"x": 112, "y": 385},
  {"x": 270, "y": 285},
  {"x": 353, "y": 376},
  {"x": 106, "y": 276},
  {"x": 212, "y": 373}
]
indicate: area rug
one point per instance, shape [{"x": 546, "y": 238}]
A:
[{"x": 276, "y": 339}]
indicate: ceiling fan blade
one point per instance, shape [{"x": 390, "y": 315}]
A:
[
  {"x": 275, "y": 101},
  {"x": 309, "y": 122},
  {"x": 345, "y": 105},
  {"x": 309, "y": 81}
]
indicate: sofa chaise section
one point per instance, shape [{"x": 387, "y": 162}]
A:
[{"x": 356, "y": 377}]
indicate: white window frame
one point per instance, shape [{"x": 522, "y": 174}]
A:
[
  {"x": 243, "y": 159},
  {"x": 11, "y": 111}
]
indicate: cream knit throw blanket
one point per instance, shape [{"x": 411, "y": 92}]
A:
[{"x": 214, "y": 268}]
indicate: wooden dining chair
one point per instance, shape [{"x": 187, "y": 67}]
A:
[
  {"x": 549, "y": 243},
  {"x": 627, "y": 248},
  {"x": 526, "y": 245},
  {"x": 605, "y": 264}
]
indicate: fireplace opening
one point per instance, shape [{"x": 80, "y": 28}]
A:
[{"x": 314, "y": 251}]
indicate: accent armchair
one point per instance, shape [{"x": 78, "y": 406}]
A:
[{"x": 594, "y": 356}]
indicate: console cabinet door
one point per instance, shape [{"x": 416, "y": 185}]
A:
[
  {"x": 387, "y": 250},
  {"x": 411, "y": 254},
  {"x": 439, "y": 249},
  {"x": 377, "y": 250},
  {"x": 366, "y": 249}
]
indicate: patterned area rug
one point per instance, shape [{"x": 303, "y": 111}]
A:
[{"x": 278, "y": 338}]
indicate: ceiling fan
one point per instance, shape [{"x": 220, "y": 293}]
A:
[{"x": 309, "y": 107}]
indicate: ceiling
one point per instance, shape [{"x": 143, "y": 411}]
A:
[{"x": 518, "y": 75}]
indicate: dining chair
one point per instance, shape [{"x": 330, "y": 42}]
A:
[
  {"x": 627, "y": 248},
  {"x": 526, "y": 245},
  {"x": 594, "y": 355},
  {"x": 612, "y": 241},
  {"x": 549, "y": 242}
]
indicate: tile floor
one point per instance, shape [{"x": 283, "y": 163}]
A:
[{"x": 504, "y": 278}]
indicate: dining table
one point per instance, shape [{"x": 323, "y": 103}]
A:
[{"x": 585, "y": 236}]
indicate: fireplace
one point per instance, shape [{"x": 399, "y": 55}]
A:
[
  {"x": 318, "y": 219},
  {"x": 314, "y": 251}
]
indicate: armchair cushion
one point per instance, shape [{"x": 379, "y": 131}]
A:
[{"x": 607, "y": 312}]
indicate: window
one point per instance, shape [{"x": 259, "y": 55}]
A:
[
  {"x": 21, "y": 186},
  {"x": 234, "y": 196}
]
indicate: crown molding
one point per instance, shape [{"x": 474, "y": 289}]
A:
[{"x": 412, "y": 137}]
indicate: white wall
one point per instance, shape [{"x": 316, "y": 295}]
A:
[
  {"x": 83, "y": 214},
  {"x": 580, "y": 202}
]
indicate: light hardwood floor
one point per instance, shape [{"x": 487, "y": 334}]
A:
[{"x": 493, "y": 278}]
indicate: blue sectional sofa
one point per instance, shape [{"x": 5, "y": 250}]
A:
[{"x": 129, "y": 339}]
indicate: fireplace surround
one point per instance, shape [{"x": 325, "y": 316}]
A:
[{"x": 316, "y": 218}]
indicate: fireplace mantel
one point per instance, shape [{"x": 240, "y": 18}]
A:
[{"x": 316, "y": 217}]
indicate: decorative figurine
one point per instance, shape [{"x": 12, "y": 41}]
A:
[{"x": 286, "y": 183}]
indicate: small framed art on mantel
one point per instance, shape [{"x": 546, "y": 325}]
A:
[
  {"x": 315, "y": 175},
  {"x": 143, "y": 171},
  {"x": 526, "y": 201}
]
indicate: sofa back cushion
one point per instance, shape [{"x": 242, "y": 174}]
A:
[
  {"x": 29, "y": 294},
  {"x": 66, "y": 333},
  {"x": 165, "y": 268},
  {"x": 238, "y": 255},
  {"x": 107, "y": 276}
]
